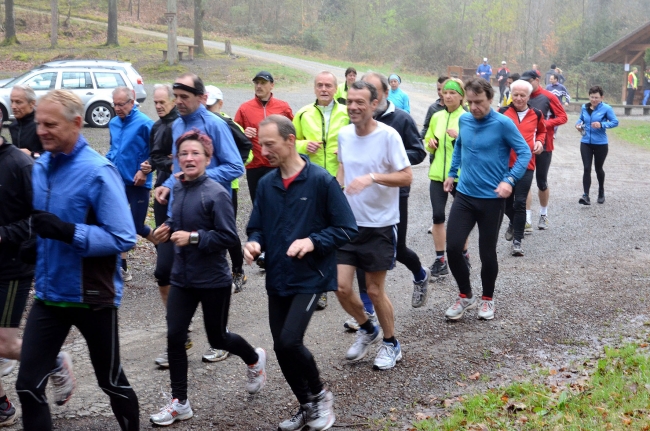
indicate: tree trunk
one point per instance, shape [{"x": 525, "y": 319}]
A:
[
  {"x": 172, "y": 47},
  {"x": 54, "y": 36},
  {"x": 198, "y": 26},
  {"x": 10, "y": 24},
  {"x": 111, "y": 39}
]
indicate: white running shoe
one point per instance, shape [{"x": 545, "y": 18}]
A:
[
  {"x": 257, "y": 373},
  {"x": 7, "y": 366},
  {"x": 215, "y": 355},
  {"x": 486, "y": 309},
  {"x": 387, "y": 356},
  {"x": 298, "y": 421},
  {"x": 321, "y": 416},
  {"x": 63, "y": 379},
  {"x": 461, "y": 305},
  {"x": 352, "y": 325},
  {"x": 172, "y": 412},
  {"x": 163, "y": 360},
  {"x": 361, "y": 345},
  {"x": 126, "y": 275}
]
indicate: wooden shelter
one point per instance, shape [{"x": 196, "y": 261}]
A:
[{"x": 629, "y": 49}]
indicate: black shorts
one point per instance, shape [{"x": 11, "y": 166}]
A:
[
  {"x": 372, "y": 250},
  {"x": 13, "y": 297}
]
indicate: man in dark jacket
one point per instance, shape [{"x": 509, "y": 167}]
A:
[
  {"x": 23, "y": 128},
  {"x": 436, "y": 106},
  {"x": 300, "y": 218}
]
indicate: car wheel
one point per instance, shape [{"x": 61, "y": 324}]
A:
[{"x": 99, "y": 114}]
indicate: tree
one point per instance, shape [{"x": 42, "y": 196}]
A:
[
  {"x": 55, "y": 23},
  {"x": 198, "y": 26},
  {"x": 112, "y": 24},
  {"x": 10, "y": 24}
]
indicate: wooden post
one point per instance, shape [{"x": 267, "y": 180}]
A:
[
  {"x": 228, "y": 47},
  {"x": 172, "y": 47}
]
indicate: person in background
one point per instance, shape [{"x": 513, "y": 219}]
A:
[
  {"x": 559, "y": 90},
  {"x": 632, "y": 84},
  {"x": 507, "y": 96},
  {"x": 399, "y": 98},
  {"x": 560, "y": 77},
  {"x": 502, "y": 79},
  {"x": 646, "y": 86},
  {"x": 436, "y": 106},
  {"x": 341, "y": 95},
  {"x": 484, "y": 70},
  {"x": 595, "y": 118},
  {"x": 536, "y": 69},
  {"x": 548, "y": 74},
  {"x": 23, "y": 128}
]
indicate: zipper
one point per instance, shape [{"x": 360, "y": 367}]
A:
[
  {"x": 49, "y": 174},
  {"x": 444, "y": 159},
  {"x": 181, "y": 224},
  {"x": 323, "y": 137}
]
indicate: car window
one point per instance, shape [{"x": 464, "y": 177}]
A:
[
  {"x": 76, "y": 80},
  {"x": 42, "y": 81},
  {"x": 109, "y": 80}
]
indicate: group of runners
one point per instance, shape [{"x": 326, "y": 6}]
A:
[{"x": 329, "y": 186}]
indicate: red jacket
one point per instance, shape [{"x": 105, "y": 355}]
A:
[
  {"x": 532, "y": 127},
  {"x": 251, "y": 114},
  {"x": 553, "y": 111}
]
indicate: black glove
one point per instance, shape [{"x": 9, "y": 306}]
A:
[{"x": 48, "y": 225}]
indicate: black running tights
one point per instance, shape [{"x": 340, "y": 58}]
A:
[
  {"x": 466, "y": 212},
  {"x": 516, "y": 204},
  {"x": 46, "y": 330},
  {"x": 596, "y": 154},
  {"x": 289, "y": 317}
]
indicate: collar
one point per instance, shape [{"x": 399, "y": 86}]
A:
[
  {"x": 194, "y": 115},
  {"x": 330, "y": 106},
  {"x": 390, "y": 108},
  {"x": 29, "y": 118},
  {"x": 261, "y": 102},
  {"x": 199, "y": 180},
  {"x": 170, "y": 116},
  {"x": 130, "y": 116},
  {"x": 277, "y": 175}
]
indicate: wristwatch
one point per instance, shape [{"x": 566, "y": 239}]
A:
[
  {"x": 194, "y": 237},
  {"x": 511, "y": 180}
]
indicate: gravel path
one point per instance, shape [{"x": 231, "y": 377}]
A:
[{"x": 581, "y": 284}]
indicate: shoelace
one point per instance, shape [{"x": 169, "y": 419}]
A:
[
  {"x": 384, "y": 351},
  {"x": 486, "y": 306},
  {"x": 169, "y": 405},
  {"x": 253, "y": 372}
]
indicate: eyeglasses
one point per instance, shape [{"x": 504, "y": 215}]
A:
[{"x": 121, "y": 105}]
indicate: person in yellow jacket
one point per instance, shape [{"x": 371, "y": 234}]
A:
[
  {"x": 440, "y": 140},
  {"x": 341, "y": 94},
  {"x": 317, "y": 131}
]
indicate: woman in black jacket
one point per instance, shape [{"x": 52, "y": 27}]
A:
[{"x": 202, "y": 227}]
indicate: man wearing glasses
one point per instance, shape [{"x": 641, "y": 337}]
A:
[{"x": 130, "y": 130}]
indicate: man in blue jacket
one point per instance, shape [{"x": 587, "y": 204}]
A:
[
  {"x": 300, "y": 218},
  {"x": 83, "y": 220},
  {"x": 482, "y": 151},
  {"x": 484, "y": 70},
  {"x": 130, "y": 131}
]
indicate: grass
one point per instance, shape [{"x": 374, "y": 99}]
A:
[
  {"x": 615, "y": 397},
  {"x": 634, "y": 132}
]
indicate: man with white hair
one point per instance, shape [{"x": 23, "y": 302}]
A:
[
  {"x": 130, "y": 130},
  {"x": 23, "y": 128}
]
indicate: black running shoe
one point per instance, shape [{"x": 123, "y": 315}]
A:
[
  {"x": 584, "y": 200},
  {"x": 601, "y": 197},
  {"x": 439, "y": 268}
]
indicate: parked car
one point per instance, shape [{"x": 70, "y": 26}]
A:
[
  {"x": 127, "y": 68},
  {"x": 93, "y": 85}
]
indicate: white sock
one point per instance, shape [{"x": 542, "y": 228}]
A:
[
  {"x": 543, "y": 210},
  {"x": 529, "y": 216}
]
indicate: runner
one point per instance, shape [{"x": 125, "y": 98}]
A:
[
  {"x": 530, "y": 123},
  {"x": 436, "y": 106},
  {"x": 484, "y": 70},
  {"x": 482, "y": 151},
  {"x": 82, "y": 233},
  {"x": 554, "y": 115},
  {"x": 595, "y": 118},
  {"x": 507, "y": 99},
  {"x": 440, "y": 141},
  {"x": 317, "y": 131},
  {"x": 558, "y": 89},
  {"x": 341, "y": 94},
  {"x": 23, "y": 128},
  {"x": 373, "y": 165},
  {"x": 202, "y": 227},
  {"x": 302, "y": 262},
  {"x": 396, "y": 95},
  {"x": 502, "y": 79},
  {"x": 130, "y": 131}
]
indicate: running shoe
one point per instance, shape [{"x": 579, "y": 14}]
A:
[
  {"x": 584, "y": 200},
  {"x": 486, "y": 310},
  {"x": 528, "y": 228},
  {"x": 361, "y": 345},
  {"x": 430, "y": 230},
  {"x": 601, "y": 196},
  {"x": 7, "y": 366},
  {"x": 352, "y": 325},
  {"x": 126, "y": 275},
  {"x": 63, "y": 379},
  {"x": 257, "y": 373},
  {"x": 7, "y": 414},
  {"x": 322, "y": 301},
  {"x": 517, "y": 250},
  {"x": 298, "y": 420},
  {"x": 215, "y": 355},
  {"x": 543, "y": 223},
  {"x": 163, "y": 360},
  {"x": 239, "y": 279},
  {"x": 461, "y": 305},
  {"x": 438, "y": 268},
  {"x": 188, "y": 343},
  {"x": 510, "y": 233},
  {"x": 172, "y": 412},
  {"x": 387, "y": 356},
  {"x": 420, "y": 292},
  {"x": 321, "y": 416}
]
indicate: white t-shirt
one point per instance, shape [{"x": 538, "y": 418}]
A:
[{"x": 380, "y": 152}]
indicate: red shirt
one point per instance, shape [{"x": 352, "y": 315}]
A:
[
  {"x": 532, "y": 127},
  {"x": 251, "y": 114},
  {"x": 287, "y": 181},
  {"x": 553, "y": 111}
]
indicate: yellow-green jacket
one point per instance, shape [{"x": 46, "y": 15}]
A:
[
  {"x": 309, "y": 122},
  {"x": 438, "y": 126},
  {"x": 341, "y": 94}
]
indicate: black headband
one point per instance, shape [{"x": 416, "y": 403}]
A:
[{"x": 180, "y": 86}]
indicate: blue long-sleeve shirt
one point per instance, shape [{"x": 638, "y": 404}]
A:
[
  {"x": 400, "y": 99},
  {"x": 484, "y": 71},
  {"x": 482, "y": 150}
]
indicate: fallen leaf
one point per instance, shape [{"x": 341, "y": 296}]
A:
[
  {"x": 448, "y": 402},
  {"x": 478, "y": 427},
  {"x": 516, "y": 407},
  {"x": 522, "y": 419},
  {"x": 421, "y": 416},
  {"x": 504, "y": 398},
  {"x": 626, "y": 420},
  {"x": 552, "y": 372},
  {"x": 462, "y": 385},
  {"x": 475, "y": 376},
  {"x": 643, "y": 345}
]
